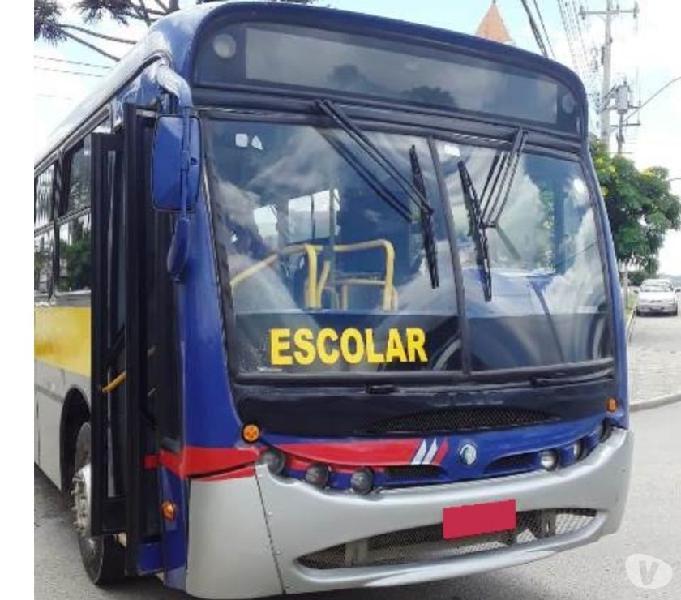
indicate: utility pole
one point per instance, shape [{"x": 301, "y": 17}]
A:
[
  {"x": 606, "y": 60},
  {"x": 623, "y": 104}
]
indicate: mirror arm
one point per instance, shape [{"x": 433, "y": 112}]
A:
[{"x": 174, "y": 84}]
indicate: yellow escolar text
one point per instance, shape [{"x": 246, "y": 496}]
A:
[{"x": 304, "y": 346}]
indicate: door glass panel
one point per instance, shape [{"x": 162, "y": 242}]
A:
[{"x": 75, "y": 255}]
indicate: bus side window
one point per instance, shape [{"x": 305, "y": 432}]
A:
[
  {"x": 75, "y": 251},
  {"x": 44, "y": 191},
  {"x": 43, "y": 247}
]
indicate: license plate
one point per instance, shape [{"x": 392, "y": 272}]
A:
[{"x": 478, "y": 519}]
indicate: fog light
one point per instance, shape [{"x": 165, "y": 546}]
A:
[
  {"x": 362, "y": 481},
  {"x": 548, "y": 459},
  {"x": 577, "y": 450},
  {"x": 317, "y": 475},
  {"x": 274, "y": 459}
]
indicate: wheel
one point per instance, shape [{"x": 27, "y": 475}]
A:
[{"x": 103, "y": 557}]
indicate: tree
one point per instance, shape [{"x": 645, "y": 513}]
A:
[
  {"x": 49, "y": 26},
  {"x": 640, "y": 205}
]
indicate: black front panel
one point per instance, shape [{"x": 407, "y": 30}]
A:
[{"x": 335, "y": 411}]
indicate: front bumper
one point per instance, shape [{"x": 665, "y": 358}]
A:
[
  {"x": 299, "y": 520},
  {"x": 657, "y": 308}
]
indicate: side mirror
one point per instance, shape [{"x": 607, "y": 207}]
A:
[
  {"x": 167, "y": 162},
  {"x": 635, "y": 291}
]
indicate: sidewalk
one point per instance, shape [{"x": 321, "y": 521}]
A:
[{"x": 655, "y": 361}]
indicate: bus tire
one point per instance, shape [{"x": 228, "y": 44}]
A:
[{"x": 103, "y": 557}]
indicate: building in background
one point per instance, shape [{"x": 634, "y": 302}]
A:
[{"x": 492, "y": 26}]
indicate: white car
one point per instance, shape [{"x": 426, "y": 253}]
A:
[{"x": 657, "y": 296}]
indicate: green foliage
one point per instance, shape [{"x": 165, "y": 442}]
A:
[
  {"x": 640, "y": 205},
  {"x": 638, "y": 277},
  {"x": 46, "y": 15}
]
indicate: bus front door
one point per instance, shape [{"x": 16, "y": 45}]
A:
[{"x": 122, "y": 433}]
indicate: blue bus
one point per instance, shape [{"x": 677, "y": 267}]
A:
[{"x": 325, "y": 300}]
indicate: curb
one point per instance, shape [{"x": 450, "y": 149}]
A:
[{"x": 655, "y": 402}]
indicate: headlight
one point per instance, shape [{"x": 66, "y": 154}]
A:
[
  {"x": 274, "y": 459},
  {"x": 317, "y": 475},
  {"x": 362, "y": 481}
]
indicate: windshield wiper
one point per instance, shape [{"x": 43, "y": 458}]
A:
[
  {"x": 415, "y": 190},
  {"x": 426, "y": 219},
  {"x": 477, "y": 228},
  {"x": 500, "y": 180},
  {"x": 485, "y": 210}
]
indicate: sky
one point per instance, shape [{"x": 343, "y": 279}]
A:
[{"x": 645, "y": 51}]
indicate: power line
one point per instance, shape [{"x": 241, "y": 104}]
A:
[
  {"x": 67, "y": 72},
  {"x": 72, "y": 62},
  {"x": 54, "y": 96},
  {"x": 655, "y": 95},
  {"x": 546, "y": 33},
  {"x": 535, "y": 29}
]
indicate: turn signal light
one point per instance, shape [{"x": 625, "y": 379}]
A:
[
  {"x": 169, "y": 510},
  {"x": 611, "y": 405},
  {"x": 250, "y": 433}
]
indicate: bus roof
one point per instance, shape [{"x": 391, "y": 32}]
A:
[{"x": 172, "y": 38}]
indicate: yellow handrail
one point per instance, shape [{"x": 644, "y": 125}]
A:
[
  {"x": 115, "y": 382},
  {"x": 310, "y": 284},
  {"x": 388, "y": 288},
  {"x": 314, "y": 288}
]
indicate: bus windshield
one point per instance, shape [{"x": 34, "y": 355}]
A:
[{"x": 322, "y": 274}]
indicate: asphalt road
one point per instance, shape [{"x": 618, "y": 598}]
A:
[{"x": 652, "y": 526}]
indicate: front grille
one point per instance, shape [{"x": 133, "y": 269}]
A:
[
  {"x": 509, "y": 464},
  {"x": 423, "y": 544},
  {"x": 413, "y": 472},
  {"x": 461, "y": 419}
]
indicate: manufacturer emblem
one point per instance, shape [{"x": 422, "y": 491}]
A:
[{"x": 468, "y": 454}]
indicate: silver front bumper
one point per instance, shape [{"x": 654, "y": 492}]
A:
[
  {"x": 657, "y": 308},
  {"x": 300, "y": 520}
]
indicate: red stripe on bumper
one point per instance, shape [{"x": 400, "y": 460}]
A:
[
  {"x": 193, "y": 461},
  {"x": 355, "y": 453}
]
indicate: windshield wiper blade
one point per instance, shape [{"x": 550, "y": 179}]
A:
[
  {"x": 477, "y": 228},
  {"x": 426, "y": 220},
  {"x": 499, "y": 181},
  {"x": 411, "y": 189}
]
